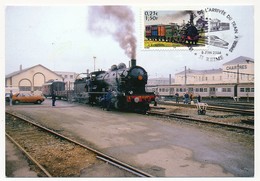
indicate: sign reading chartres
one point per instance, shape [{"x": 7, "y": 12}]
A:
[{"x": 235, "y": 67}]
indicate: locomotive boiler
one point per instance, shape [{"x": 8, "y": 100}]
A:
[{"x": 126, "y": 84}]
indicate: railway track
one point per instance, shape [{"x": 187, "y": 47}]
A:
[
  {"x": 57, "y": 155},
  {"x": 249, "y": 112},
  {"x": 187, "y": 118}
]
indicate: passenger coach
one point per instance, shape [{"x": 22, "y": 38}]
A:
[{"x": 206, "y": 90}]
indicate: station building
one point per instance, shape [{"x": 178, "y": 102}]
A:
[
  {"x": 68, "y": 78},
  {"x": 239, "y": 70},
  {"x": 160, "y": 81},
  {"x": 235, "y": 79},
  {"x": 31, "y": 79}
]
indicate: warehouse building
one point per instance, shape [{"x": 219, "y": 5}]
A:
[{"x": 30, "y": 79}]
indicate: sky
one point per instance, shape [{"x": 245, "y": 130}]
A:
[{"x": 59, "y": 38}]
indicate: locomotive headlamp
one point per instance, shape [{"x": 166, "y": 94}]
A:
[
  {"x": 140, "y": 77},
  {"x": 136, "y": 99}
]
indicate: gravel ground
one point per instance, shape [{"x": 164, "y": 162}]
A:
[
  {"x": 215, "y": 116},
  {"x": 162, "y": 147}
]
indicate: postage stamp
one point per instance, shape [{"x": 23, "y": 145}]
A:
[
  {"x": 209, "y": 33},
  {"x": 174, "y": 29}
]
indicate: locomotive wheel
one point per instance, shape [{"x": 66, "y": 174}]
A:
[{"x": 119, "y": 105}]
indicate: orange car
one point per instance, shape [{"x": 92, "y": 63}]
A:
[{"x": 27, "y": 98}]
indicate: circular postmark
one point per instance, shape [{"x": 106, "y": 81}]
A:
[{"x": 221, "y": 34}]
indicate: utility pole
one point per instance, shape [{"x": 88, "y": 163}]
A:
[
  {"x": 185, "y": 76},
  {"x": 236, "y": 86},
  {"x": 94, "y": 63},
  {"x": 237, "y": 73}
]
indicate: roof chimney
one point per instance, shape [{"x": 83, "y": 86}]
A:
[{"x": 21, "y": 67}]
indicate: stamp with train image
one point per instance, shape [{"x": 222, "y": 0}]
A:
[
  {"x": 209, "y": 33},
  {"x": 174, "y": 29}
]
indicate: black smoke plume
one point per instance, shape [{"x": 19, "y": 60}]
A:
[{"x": 117, "y": 21}]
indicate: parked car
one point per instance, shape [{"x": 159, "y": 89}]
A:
[{"x": 27, "y": 98}]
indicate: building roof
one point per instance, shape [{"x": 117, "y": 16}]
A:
[
  {"x": 26, "y": 69},
  {"x": 190, "y": 71},
  {"x": 240, "y": 60}
]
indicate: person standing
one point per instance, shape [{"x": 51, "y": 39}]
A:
[
  {"x": 177, "y": 97},
  {"x": 108, "y": 99},
  {"x": 11, "y": 98},
  {"x": 186, "y": 98},
  {"x": 53, "y": 97},
  {"x": 191, "y": 98},
  {"x": 199, "y": 98}
]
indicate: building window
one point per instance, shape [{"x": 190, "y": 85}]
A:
[
  {"x": 71, "y": 76},
  {"x": 252, "y": 89},
  {"x": 226, "y": 89},
  {"x": 66, "y": 76},
  {"x": 247, "y": 89},
  {"x": 24, "y": 88},
  {"x": 197, "y": 89},
  {"x": 242, "y": 89},
  {"x": 205, "y": 89},
  {"x": 201, "y": 89}
]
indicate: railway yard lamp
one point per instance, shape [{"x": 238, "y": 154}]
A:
[{"x": 94, "y": 63}]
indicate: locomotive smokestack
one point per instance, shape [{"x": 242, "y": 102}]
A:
[
  {"x": 191, "y": 18},
  {"x": 133, "y": 62}
]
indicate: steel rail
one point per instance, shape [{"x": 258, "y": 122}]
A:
[
  {"x": 100, "y": 154},
  {"x": 199, "y": 120},
  {"x": 29, "y": 156},
  {"x": 213, "y": 108}
]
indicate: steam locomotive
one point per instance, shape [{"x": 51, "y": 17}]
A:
[
  {"x": 126, "y": 85},
  {"x": 172, "y": 33},
  {"x": 186, "y": 33}
]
